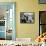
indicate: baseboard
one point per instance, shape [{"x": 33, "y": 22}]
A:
[{"x": 24, "y": 39}]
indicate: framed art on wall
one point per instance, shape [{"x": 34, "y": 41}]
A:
[{"x": 27, "y": 17}]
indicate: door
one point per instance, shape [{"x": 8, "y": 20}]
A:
[
  {"x": 42, "y": 22},
  {"x": 8, "y": 16}
]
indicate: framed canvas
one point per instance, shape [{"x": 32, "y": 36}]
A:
[
  {"x": 7, "y": 20},
  {"x": 42, "y": 1},
  {"x": 27, "y": 17}
]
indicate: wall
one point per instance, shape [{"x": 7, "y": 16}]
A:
[{"x": 27, "y": 30}]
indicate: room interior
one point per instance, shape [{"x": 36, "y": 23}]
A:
[{"x": 21, "y": 31}]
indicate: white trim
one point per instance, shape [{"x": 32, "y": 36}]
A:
[
  {"x": 11, "y": 13},
  {"x": 24, "y": 39},
  {"x": 5, "y": 29},
  {"x": 13, "y": 35}
]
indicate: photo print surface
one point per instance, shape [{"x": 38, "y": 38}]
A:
[{"x": 27, "y": 17}]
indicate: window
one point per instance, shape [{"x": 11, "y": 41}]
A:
[
  {"x": 42, "y": 22},
  {"x": 7, "y": 21}
]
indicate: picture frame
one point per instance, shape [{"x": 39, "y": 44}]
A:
[
  {"x": 27, "y": 17},
  {"x": 42, "y": 1}
]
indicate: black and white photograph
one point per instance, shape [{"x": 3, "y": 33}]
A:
[{"x": 27, "y": 17}]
